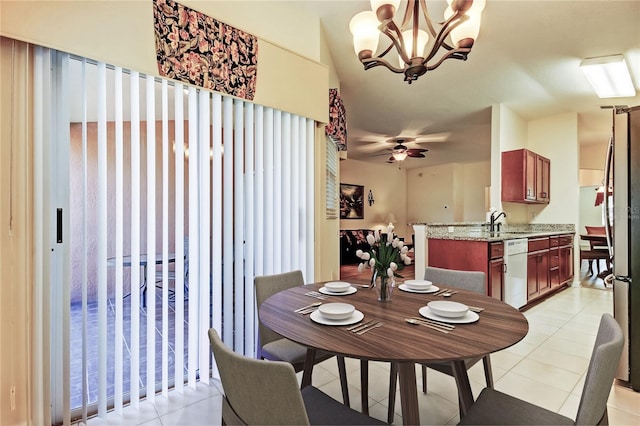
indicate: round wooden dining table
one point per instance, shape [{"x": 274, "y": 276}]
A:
[{"x": 397, "y": 341}]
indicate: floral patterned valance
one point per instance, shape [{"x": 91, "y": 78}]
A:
[
  {"x": 195, "y": 48},
  {"x": 337, "y": 127}
]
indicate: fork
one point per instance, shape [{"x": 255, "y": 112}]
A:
[
  {"x": 316, "y": 295},
  {"x": 304, "y": 308},
  {"x": 361, "y": 332},
  {"x": 360, "y": 326},
  {"x": 435, "y": 323}
]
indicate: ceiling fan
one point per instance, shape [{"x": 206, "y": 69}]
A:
[{"x": 400, "y": 152}]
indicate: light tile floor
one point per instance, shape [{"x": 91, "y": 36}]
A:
[{"x": 546, "y": 368}]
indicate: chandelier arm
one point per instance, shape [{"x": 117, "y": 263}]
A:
[
  {"x": 460, "y": 53},
  {"x": 391, "y": 45},
  {"x": 374, "y": 62},
  {"x": 396, "y": 40},
  {"x": 416, "y": 27},
  {"x": 448, "y": 26},
  {"x": 407, "y": 13},
  {"x": 427, "y": 18}
]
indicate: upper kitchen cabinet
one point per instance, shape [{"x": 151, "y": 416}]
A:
[{"x": 525, "y": 177}]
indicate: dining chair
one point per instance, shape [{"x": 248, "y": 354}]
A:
[
  {"x": 449, "y": 278},
  {"x": 258, "y": 392},
  {"x": 171, "y": 274},
  {"x": 273, "y": 346},
  {"x": 597, "y": 251},
  {"x": 496, "y": 408}
]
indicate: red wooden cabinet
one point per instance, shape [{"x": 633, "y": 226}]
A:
[
  {"x": 525, "y": 177},
  {"x": 469, "y": 255},
  {"x": 496, "y": 270},
  {"x": 496, "y": 278},
  {"x": 565, "y": 255},
  {"x": 537, "y": 267}
]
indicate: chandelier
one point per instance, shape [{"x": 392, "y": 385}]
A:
[{"x": 455, "y": 37}]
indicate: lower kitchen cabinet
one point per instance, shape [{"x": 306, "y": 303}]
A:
[
  {"x": 496, "y": 271},
  {"x": 537, "y": 273},
  {"x": 549, "y": 262},
  {"x": 566, "y": 264},
  {"x": 537, "y": 267}
]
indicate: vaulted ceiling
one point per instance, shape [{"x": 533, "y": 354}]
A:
[{"x": 526, "y": 57}]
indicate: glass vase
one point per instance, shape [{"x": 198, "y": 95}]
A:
[{"x": 384, "y": 286}]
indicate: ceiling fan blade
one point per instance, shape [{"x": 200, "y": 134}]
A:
[
  {"x": 411, "y": 151},
  {"x": 416, "y": 155}
]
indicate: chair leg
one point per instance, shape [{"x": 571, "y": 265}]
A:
[
  {"x": 364, "y": 386},
  {"x": 393, "y": 381},
  {"x": 342, "y": 372},
  {"x": 424, "y": 378},
  {"x": 488, "y": 372}
]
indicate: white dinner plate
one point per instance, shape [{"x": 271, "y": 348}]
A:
[
  {"x": 467, "y": 319},
  {"x": 316, "y": 316},
  {"x": 350, "y": 290},
  {"x": 431, "y": 289}
]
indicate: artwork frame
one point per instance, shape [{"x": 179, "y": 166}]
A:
[{"x": 351, "y": 201}]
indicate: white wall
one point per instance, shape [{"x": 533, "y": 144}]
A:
[
  {"x": 388, "y": 185},
  {"x": 590, "y": 214},
  {"x": 448, "y": 193},
  {"x": 508, "y": 132},
  {"x": 475, "y": 175},
  {"x": 592, "y": 156},
  {"x": 556, "y": 138}
]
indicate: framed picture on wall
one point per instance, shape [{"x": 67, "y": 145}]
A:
[{"x": 351, "y": 201}]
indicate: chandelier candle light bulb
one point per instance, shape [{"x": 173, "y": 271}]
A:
[{"x": 387, "y": 255}]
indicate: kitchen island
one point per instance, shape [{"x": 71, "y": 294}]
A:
[{"x": 548, "y": 255}]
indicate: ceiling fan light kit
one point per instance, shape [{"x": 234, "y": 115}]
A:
[
  {"x": 455, "y": 37},
  {"x": 400, "y": 152}
]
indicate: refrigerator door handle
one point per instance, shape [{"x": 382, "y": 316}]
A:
[{"x": 607, "y": 179}]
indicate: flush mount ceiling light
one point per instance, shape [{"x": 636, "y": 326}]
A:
[
  {"x": 609, "y": 76},
  {"x": 456, "y": 35}
]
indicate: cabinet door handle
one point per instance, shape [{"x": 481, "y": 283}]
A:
[
  {"x": 504, "y": 268},
  {"x": 543, "y": 195}
]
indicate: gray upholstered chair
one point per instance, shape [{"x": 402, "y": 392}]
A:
[
  {"x": 258, "y": 392},
  {"x": 273, "y": 346},
  {"x": 496, "y": 408},
  {"x": 450, "y": 278}
]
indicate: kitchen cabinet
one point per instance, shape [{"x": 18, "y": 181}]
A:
[
  {"x": 525, "y": 177},
  {"x": 549, "y": 262},
  {"x": 537, "y": 267},
  {"x": 496, "y": 270},
  {"x": 470, "y": 255},
  {"x": 565, "y": 259},
  {"x": 554, "y": 262}
]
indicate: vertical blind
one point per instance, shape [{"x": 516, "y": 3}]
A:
[
  {"x": 187, "y": 196},
  {"x": 331, "y": 180}
]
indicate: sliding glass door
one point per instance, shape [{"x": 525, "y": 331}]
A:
[{"x": 165, "y": 201}]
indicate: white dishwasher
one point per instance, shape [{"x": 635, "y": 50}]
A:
[{"x": 515, "y": 272}]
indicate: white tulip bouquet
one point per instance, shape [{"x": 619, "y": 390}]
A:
[{"x": 386, "y": 257}]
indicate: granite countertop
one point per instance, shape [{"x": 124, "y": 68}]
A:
[{"x": 479, "y": 232}]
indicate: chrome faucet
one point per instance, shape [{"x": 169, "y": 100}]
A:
[{"x": 494, "y": 219}]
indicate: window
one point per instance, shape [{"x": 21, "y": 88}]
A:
[{"x": 332, "y": 180}]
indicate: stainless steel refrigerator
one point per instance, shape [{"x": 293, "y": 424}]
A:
[{"x": 622, "y": 172}]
